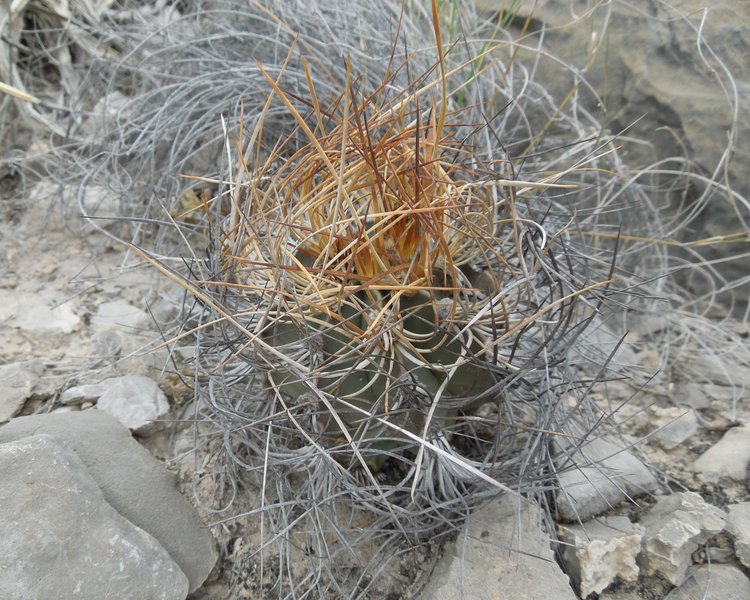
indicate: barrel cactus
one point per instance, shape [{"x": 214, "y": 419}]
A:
[
  {"x": 385, "y": 281},
  {"x": 385, "y": 309}
]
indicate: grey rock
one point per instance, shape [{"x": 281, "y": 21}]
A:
[
  {"x": 620, "y": 595},
  {"x": 37, "y": 313},
  {"x": 716, "y": 554},
  {"x": 703, "y": 395},
  {"x": 17, "y": 382},
  {"x": 738, "y": 525},
  {"x": 728, "y": 458},
  {"x": 117, "y": 315},
  {"x": 134, "y": 400},
  {"x": 136, "y": 485},
  {"x": 116, "y": 325},
  {"x": 674, "y": 528},
  {"x": 676, "y": 424},
  {"x": 718, "y": 370},
  {"x": 166, "y": 309},
  {"x": 599, "y": 476},
  {"x": 76, "y": 395},
  {"x": 504, "y": 554},
  {"x": 713, "y": 582},
  {"x": 61, "y": 539},
  {"x": 651, "y": 74},
  {"x": 599, "y": 552},
  {"x": 599, "y": 340}
]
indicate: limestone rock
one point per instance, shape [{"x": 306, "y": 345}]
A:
[
  {"x": 738, "y": 524},
  {"x": 601, "y": 551},
  {"x": 675, "y": 424},
  {"x": 702, "y": 395},
  {"x": 17, "y": 382},
  {"x": 718, "y": 370},
  {"x": 601, "y": 476},
  {"x": 79, "y": 394},
  {"x": 505, "y": 554},
  {"x": 37, "y": 314},
  {"x": 728, "y": 458},
  {"x": 713, "y": 582},
  {"x": 134, "y": 400},
  {"x": 674, "y": 528},
  {"x": 61, "y": 539},
  {"x": 136, "y": 485},
  {"x": 599, "y": 340},
  {"x": 653, "y": 73},
  {"x": 117, "y": 315}
]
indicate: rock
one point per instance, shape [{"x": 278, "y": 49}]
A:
[
  {"x": 718, "y": 370},
  {"x": 79, "y": 394},
  {"x": 504, "y": 554},
  {"x": 136, "y": 485},
  {"x": 620, "y": 595},
  {"x": 601, "y": 476},
  {"x": 738, "y": 525},
  {"x": 674, "y": 528},
  {"x": 703, "y": 395},
  {"x": 37, "y": 314},
  {"x": 716, "y": 554},
  {"x": 117, "y": 315},
  {"x": 655, "y": 77},
  {"x": 61, "y": 539},
  {"x": 17, "y": 382},
  {"x": 728, "y": 458},
  {"x": 598, "y": 552},
  {"x": 134, "y": 400},
  {"x": 100, "y": 209},
  {"x": 122, "y": 330},
  {"x": 713, "y": 582},
  {"x": 675, "y": 425},
  {"x": 598, "y": 341},
  {"x": 167, "y": 308}
]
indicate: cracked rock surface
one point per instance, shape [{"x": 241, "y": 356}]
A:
[{"x": 674, "y": 528}]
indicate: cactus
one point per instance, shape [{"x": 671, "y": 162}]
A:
[
  {"x": 387, "y": 312},
  {"x": 387, "y": 277}
]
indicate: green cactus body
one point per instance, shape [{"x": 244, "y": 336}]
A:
[{"x": 396, "y": 382}]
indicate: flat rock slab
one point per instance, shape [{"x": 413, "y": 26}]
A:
[
  {"x": 117, "y": 315},
  {"x": 728, "y": 458},
  {"x": 503, "y": 554},
  {"x": 61, "y": 539},
  {"x": 713, "y": 582},
  {"x": 599, "y": 476},
  {"x": 37, "y": 313},
  {"x": 136, "y": 485},
  {"x": 675, "y": 425}
]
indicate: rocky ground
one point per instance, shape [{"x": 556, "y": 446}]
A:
[
  {"x": 79, "y": 370},
  {"x": 100, "y": 489}
]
